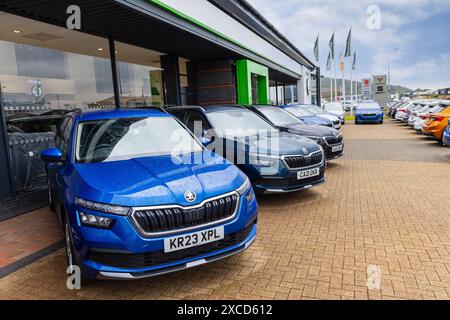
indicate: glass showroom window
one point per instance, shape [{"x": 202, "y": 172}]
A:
[
  {"x": 291, "y": 93},
  {"x": 140, "y": 77},
  {"x": 188, "y": 92},
  {"x": 44, "y": 72}
]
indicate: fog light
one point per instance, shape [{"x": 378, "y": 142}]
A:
[
  {"x": 89, "y": 220},
  {"x": 250, "y": 196}
]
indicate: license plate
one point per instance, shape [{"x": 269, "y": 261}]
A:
[
  {"x": 193, "y": 239},
  {"x": 336, "y": 148},
  {"x": 308, "y": 173}
]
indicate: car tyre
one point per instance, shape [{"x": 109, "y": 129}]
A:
[
  {"x": 70, "y": 252},
  {"x": 50, "y": 197},
  {"x": 71, "y": 258}
]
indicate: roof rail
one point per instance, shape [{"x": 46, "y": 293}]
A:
[{"x": 184, "y": 107}]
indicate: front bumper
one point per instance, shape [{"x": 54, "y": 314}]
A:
[
  {"x": 289, "y": 182},
  {"x": 330, "y": 155},
  {"x": 123, "y": 253},
  {"x": 369, "y": 119},
  {"x": 182, "y": 265}
]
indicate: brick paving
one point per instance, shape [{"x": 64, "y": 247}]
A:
[
  {"x": 26, "y": 234},
  {"x": 393, "y": 213}
]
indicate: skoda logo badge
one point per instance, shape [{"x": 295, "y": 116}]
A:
[
  {"x": 190, "y": 196},
  {"x": 305, "y": 151}
]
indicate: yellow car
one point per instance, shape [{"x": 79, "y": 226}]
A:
[{"x": 436, "y": 124}]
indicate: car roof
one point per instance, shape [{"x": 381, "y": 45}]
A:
[
  {"x": 262, "y": 106},
  {"x": 209, "y": 109},
  {"x": 121, "y": 113}
]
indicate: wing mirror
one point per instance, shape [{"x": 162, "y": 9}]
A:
[
  {"x": 207, "y": 141},
  {"x": 52, "y": 155}
]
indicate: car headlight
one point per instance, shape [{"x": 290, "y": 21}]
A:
[
  {"x": 106, "y": 208},
  {"x": 90, "y": 220},
  {"x": 263, "y": 161},
  {"x": 245, "y": 187},
  {"x": 319, "y": 140}
]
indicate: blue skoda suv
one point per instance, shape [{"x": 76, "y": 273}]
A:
[{"x": 138, "y": 195}]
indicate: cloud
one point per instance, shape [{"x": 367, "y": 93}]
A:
[{"x": 403, "y": 26}]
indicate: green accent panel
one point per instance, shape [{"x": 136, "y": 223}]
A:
[
  {"x": 244, "y": 71},
  {"x": 213, "y": 31}
]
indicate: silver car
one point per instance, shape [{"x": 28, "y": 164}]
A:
[
  {"x": 321, "y": 113},
  {"x": 336, "y": 109}
]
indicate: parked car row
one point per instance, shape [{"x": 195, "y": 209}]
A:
[
  {"x": 428, "y": 117},
  {"x": 141, "y": 193}
]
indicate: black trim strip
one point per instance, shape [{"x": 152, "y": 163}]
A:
[{"x": 15, "y": 266}]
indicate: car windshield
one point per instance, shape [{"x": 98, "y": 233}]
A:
[
  {"x": 129, "y": 138},
  {"x": 316, "y": 110},
  {"x": 279, "y": 117},
  {"x": 239, "y": 123},
  {"x": 334, "y": 107},
  {"x": 300, "y": 112},
  {"x": 368, "y": 106}
]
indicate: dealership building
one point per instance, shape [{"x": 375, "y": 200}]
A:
[{"x": 64, "y": 55}]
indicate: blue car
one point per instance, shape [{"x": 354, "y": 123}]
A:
[
  {"x": 369, "y": 112},
  {"x": 307, "y": 116},
  {"x": 275, "y": 162},
  {"x": 138, "y": 195},
  {"x": 446, "y": 136}
]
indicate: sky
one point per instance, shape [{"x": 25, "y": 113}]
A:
[{"x": 413, "y": 34}]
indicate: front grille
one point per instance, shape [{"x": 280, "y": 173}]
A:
[
  {"x": 298, "y": 162},
  {"x": 336, "y": 122},
  {"x": 369, "y": 115},
  {"x": 171, "y": 218},
  {"x": 145, "y": 260},
  {"x": 334, "y": 140}
]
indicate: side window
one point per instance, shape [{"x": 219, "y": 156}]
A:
[{"x": 192, "y": 122}]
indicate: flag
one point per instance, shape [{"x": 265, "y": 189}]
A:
[
  {"x": 316, "y": 49},
  {"x": 329, "y": 62},
  {"x": 354, "y": 61},
  {"x": 341, "y": 63},
  {"x": 348, "y": 47},
  {"x": 332, "y": 46}
]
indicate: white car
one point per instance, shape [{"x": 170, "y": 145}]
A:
[
  {"x": 402, "y": 112},
  {"x": 426, "y": 107},
  {"x": 336, "y": 109},
  {"x": 322, "y": 114}
]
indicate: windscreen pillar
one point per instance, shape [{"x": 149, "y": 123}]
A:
[
  {"x": 171, "y": 76},
  {"x": 245, "y": 71}
]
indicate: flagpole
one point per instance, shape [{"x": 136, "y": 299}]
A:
[
  {"x": 331, "y": 86},
  {"x": 335, "y": 83},
  {"x": 343, "y": 79},
  {"x": 351, "y": 90}
]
